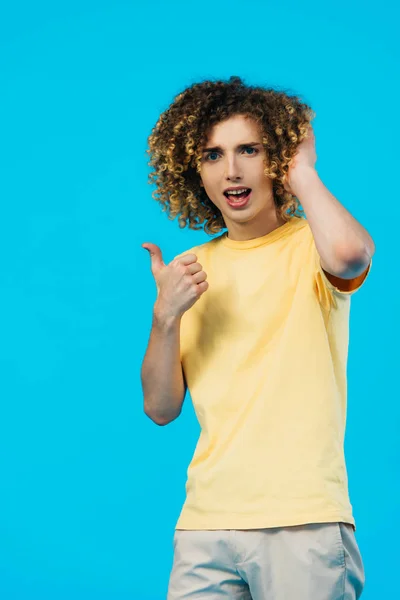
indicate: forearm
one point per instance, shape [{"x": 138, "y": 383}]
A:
[
  {"x": 161, "y": 374},
  {"x": 338, "y": 236}
]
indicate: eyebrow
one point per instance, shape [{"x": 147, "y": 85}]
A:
[{"x": 219, "y": 149}]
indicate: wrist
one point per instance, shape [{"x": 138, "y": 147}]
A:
[
  {"x": 164, "y": 317},
  {"x": 303, "y": 179}
]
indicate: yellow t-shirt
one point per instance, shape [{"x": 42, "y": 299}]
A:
[{"x": 264, "y": 353}]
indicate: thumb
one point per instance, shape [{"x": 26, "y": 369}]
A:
[{"x": 157, "y": 262}]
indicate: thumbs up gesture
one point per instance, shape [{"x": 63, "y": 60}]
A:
[{"x": 179, "y": 284}]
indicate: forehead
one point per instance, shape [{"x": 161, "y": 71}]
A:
[{"x": 236, "y": 129}]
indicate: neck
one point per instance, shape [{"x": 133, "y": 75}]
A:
[{"x": 250, "y": 231}]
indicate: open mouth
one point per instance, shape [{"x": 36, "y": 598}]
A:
[
  {"x": 238, "y": 200},
  {"x": 234, "y": 196}
]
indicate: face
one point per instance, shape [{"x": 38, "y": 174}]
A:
[{"x": 234, "y": 156}]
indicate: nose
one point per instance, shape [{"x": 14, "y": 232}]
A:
[{"x": 232, "y": 168}]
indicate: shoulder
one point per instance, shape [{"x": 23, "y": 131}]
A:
[{"x": 201, "y": 249}]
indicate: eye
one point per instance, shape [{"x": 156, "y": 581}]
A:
[
  {"x": 254, "y": 151},
  {"x": 210, "y": 154}
]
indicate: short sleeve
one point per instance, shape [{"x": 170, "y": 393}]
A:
[{"x": 330, "y": 287}]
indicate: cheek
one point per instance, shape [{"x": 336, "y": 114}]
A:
[
  {"x": 211, "y": 182},
  {"x": 210, "y": 188},
  {"x": 264, "y": 181}
]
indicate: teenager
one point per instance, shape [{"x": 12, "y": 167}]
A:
[{"x": 255, "y": 322}]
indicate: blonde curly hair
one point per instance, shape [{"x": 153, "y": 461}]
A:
[{"x": 176, "y": 142}]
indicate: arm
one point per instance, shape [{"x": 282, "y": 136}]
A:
[
  {"x": 344, "y": 245},
  {"x": 163, "y": 382}
]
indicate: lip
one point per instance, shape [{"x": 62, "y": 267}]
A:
[{"x": 240, "y": 204}]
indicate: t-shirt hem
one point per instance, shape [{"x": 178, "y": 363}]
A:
[{"x": 240, "y": 521}]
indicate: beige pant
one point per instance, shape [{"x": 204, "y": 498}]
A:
[{"x": 319, "y": 561}]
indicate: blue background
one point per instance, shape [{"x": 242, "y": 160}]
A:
[{"x": 90, "y": 488}]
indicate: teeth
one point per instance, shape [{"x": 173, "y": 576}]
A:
[{"x": 236, "y": 191}]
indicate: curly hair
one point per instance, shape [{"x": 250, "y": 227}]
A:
[{"x": 176, "y": 142}]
